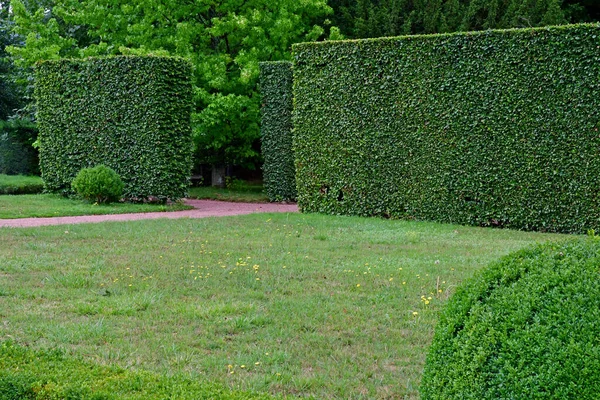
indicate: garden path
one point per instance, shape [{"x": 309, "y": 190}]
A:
[{"x": 202, "y": 209}]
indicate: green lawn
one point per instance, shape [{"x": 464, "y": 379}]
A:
[
  {"x": 19, "y": 184},
  {"x": 47, "y": 205},
  {"x": 52, "y": 205},
  {"x": 288, "y": 304},
  {"x": 27, "y": 374}
]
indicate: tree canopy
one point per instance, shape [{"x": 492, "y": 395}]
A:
[
  {"x": 9, "y": 98},
  {"x": 225, "y": 41},
  {"x": 375, "y": 18}
]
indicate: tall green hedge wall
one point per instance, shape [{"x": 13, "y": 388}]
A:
[
  {"x": 129, "y": 113},
  {"x": 276, "y": 130},
  {"x": 496, "y": 128}
]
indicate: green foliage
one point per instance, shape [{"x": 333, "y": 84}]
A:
[
  {"x": 9, "y": 99},
  {"x": 99, "y": 184},
  {"x": 306, "y": 308},
  {"x": 498, "y": 128},
  {"x": 43, "y": 34},
  {"x": 276, "y": 130},
  {"x": 526, "y": 327},
  {"x": 51, "y": 375},
  {"x": 17, "y": 155},
  {"x": 129, "y": 113},
  {"x": 224, "y": 41},
  {"x": 376, "y": 18},
  {"x": 17, "y": 184}
]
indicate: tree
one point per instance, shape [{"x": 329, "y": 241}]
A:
[
  {"x": 9, "y": 98},
  {"x": 225, "y": 41},
  {"x": 373, "y": 18},
  {"x": 16, "y": 79}
]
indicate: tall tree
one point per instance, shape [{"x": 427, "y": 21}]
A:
[
  {"x": 225, "y": 41},
  {"x": 9, "y": 97},
  {"x": 373, "y": 18}
]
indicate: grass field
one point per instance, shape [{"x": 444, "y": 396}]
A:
[
  {"x": 28, "y": 374},
  {"x": 288, "y": 304},
  {"x": 52, "y": 205},
  {"x": 29, "y": 203},
  {"x": 19, "y": 184}
]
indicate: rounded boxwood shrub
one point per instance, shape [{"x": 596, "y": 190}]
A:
[
  {"x": 527, "y": 327},
  {"x": 100, "y": 184}
]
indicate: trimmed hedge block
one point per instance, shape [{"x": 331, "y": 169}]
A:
[
  {"x": 524, "y": 328},
  {"x": 494, "y": 128},
  {"x": 276, "y": 130},
  {"x": 131, "y": 114}
]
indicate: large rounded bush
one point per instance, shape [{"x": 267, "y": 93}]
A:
[
  {"x": 100, "y": 184},
  {"x": 527, "y": 327}
]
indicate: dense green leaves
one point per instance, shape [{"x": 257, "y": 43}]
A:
[
  {"x": 10, "y": 92},
  {"x": 526, "y": 327},
  {"x": 276, "y": 130},
  {"x": 376, "y": 18},
  {"x": 223, "y": 40},
  {"x": 8, "y": 99},
  {"x": 99, "y": 184},
  {"x": 129, "y": 113},
  {"x": 498, "y": 128}
]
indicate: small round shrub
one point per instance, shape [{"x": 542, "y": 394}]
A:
[
  {"x": 526, "y": 327},
  {"x": 99, "y": 184}
]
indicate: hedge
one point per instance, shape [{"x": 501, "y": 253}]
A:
[
  {"x": 129, "y": 113},
  {"x": 20, "y": 184},
  {"x": 52, "y": 375},
  {"x": 494, "y": 128},
  {"x": 524, "y": 328},
  {"x": 17, "y": 155},
  {"x": 276, "y": 130}
]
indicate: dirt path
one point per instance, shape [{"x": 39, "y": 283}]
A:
[{"x": 202, "y": 209}]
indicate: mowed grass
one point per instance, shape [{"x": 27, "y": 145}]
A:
[
  {"x": 51, "y": 375},
  {"x": 19, "y": 184},
  {"x": 291, "y": 304},
  {"x": 52, "y": 205}
]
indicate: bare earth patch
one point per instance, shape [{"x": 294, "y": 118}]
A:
[{"x": 202, "y": 209}]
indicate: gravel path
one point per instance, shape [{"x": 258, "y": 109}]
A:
[{"x": 202, "y": 209}]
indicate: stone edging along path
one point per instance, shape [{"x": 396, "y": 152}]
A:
[{"x": 202, "y": 209}]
